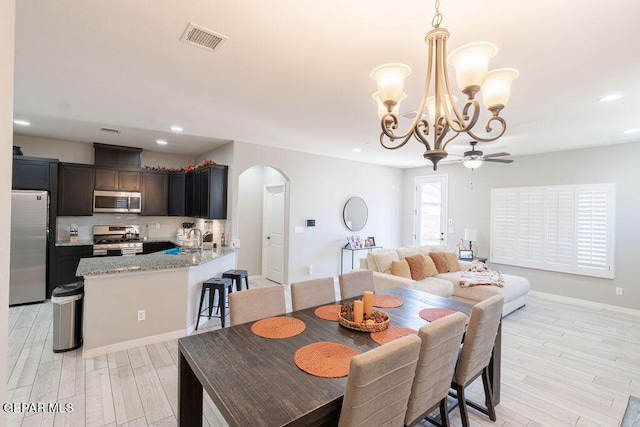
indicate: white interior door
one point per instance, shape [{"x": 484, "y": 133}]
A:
[
  {"x": 430, "y": 214},
  {"x": 273, "y": 233}
]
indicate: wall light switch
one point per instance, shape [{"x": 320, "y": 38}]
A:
[{"x": 298, "y": 230}]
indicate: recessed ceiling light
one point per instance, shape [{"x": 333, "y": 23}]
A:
[
  {"x": 177, "y": 128},
  {"x": 632, "y": 131},
  {"x": 611, "y": 97},
  {"x": 357, "y": 150},
  {"x": 21, "y": 122},
  {"x": 161, "y": 142}
]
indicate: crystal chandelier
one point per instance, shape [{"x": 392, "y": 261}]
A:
[{"x": 471, "y": 63}]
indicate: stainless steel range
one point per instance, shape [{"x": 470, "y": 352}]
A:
[{"x": 116, "y": 240}]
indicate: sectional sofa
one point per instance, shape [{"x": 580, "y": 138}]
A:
[{"x": 387, "y": 269}]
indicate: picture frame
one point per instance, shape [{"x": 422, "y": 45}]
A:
[
  {"x": 357, "y": 241},
  {"x": 372, "y": 241},
  {"x": 466, "y": 255},
  {"x": 350, "y": 243}
]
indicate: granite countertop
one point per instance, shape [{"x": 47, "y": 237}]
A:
[{"x": 152, "y": 262}]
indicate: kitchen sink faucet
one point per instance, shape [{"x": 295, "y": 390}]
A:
[{"x": 199, "y": 233}]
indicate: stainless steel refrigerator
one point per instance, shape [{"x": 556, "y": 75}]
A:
[{"x": 29, "y": 235}]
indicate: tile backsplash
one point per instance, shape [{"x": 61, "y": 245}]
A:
[{"x": 158, "y": 226}]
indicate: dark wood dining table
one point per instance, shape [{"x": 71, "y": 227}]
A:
[{"x": 254, "y": 380}]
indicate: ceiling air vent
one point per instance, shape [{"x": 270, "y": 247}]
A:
[
  {"x": 412, "y": 115},
  {"x": 202, "y": 37},
  {"x": 110, "y": 130}
]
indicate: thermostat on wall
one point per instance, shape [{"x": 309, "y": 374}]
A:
[{"x": 311, "y": 223}]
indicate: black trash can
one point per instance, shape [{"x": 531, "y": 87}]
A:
[{"x": 67, "y": 316}]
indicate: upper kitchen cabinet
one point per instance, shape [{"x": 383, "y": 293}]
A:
[
  {"x": 117, "y": 179},
  {"x": 75, "y": 189},
  {"x": 115, "y": 155},
  {"x": 34, "y": 173},
  {"x": 207, "y": 192},
  {"x": 177, "y": 193},
  {"x": 155, "y": 193}
]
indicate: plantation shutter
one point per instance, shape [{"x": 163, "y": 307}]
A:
[
  {"x": 594, "y": 220},
  {"x": 503, "y": 225},
  {"x": 559, "y": 228}
]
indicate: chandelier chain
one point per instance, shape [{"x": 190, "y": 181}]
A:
[{"x": 437, "y": 18}]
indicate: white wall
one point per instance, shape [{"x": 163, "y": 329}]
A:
[
  {"x": 7, "y": 26},
  {"x": 319, "y": 188},
  {"x": 471, "y": 208}
]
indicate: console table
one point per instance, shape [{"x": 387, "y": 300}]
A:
[{"x": 353, "y": 251}]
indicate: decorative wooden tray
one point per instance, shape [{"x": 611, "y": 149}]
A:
[{"x": 364, "y": 326}]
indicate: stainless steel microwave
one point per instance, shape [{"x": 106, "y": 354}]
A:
[{"x": 116, "y": 201}]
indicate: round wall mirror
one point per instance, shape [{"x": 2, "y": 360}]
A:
[{"x": 355, "y": 214}]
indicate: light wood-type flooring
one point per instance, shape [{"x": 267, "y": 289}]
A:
[{"x": 565, "y": 362}]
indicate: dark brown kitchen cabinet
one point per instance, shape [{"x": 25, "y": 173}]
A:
[
  {"x": 177, "y": 193},
  {"x": 115, "y": 155},
  {"x": 75, "y": 189},
  {"x": 155, "y": 193},
  {"x": 33, "y": 173},
  {"x": 207, "y": 192},
  {"x": 68, "y": 258},
  {"x": 117, "y": 180}
]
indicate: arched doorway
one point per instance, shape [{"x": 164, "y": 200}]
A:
[{"x": 263, "y": 222}]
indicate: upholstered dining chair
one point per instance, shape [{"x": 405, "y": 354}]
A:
[
  {"x": 379, "y": 384},
  {"x": 475, "y": 355},
  {"x": 436, "y": 363},
  {"x": 312, "y": 292},
  {"x": 354, "y": 284},
  {"x": 256, "y": 303}
]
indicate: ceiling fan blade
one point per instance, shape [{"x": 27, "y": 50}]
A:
[
  {"x": 496, "y": 155},
  {"x": 498, "y": 160}
]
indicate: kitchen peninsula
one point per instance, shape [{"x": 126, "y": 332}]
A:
[{"x": 161, "y": 288}]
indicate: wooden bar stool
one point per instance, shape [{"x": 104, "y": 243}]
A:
[
  {"x": 236, "y": 276},
  {"x": 221, "y": 286}
]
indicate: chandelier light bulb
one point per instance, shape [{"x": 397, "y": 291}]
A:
[
  {"x": 431, "y": 108},
  {"x": 390, "y": 79},
  {"x": 471, "y": 62},
  {"x": 382, "y": 110},
  {"x": 496, "y": 88}
]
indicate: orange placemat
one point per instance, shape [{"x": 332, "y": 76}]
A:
[
  {"x": 278, "y": 327},
  {"x": 431, "y": 314},
  {"x": 324, "y": 359},
  {"x": 387, "y": 301},
  {"x": 392, "y": 333},
  {"x": 328, "y": 312}
]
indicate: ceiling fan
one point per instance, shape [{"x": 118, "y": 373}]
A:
[{"x": 474, "y": 158}]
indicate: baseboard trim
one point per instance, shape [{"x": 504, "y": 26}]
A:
[{"x": 126, "y": 345}]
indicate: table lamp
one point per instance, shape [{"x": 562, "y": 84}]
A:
[{"x": 470, "y": 234}]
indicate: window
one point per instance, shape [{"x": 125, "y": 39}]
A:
[
  {"x": 430, "y": 210},
  {"x": 560, "y": 228}
]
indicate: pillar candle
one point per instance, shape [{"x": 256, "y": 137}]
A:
[
  {"x": 367, "y": 300},
  {"x": 357, "y": 311}
]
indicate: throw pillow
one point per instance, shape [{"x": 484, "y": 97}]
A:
[
  {"x": 452, "y": 261},
  {"x": 440, "y": 261},
  {"x": 429, "y": 266},
  {"x": 401, "y": 268},
  {"x": 416, "y": 266}
]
